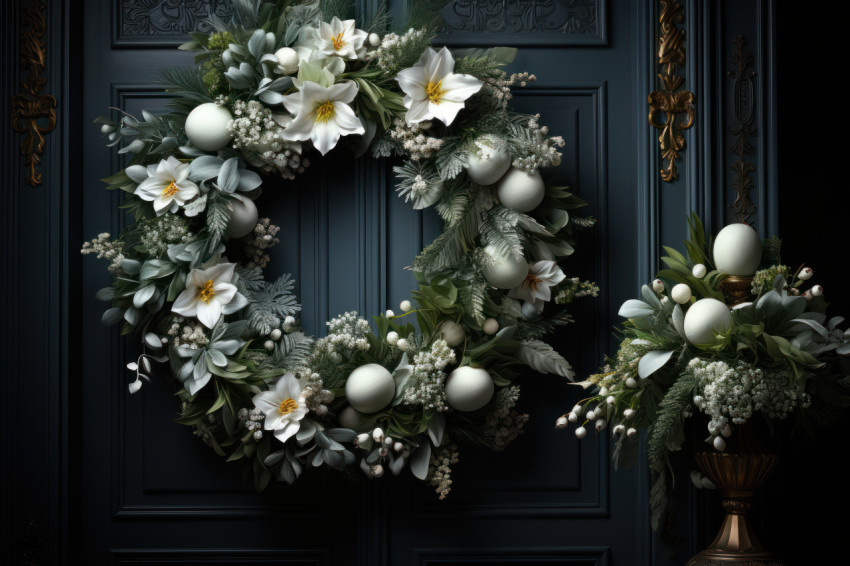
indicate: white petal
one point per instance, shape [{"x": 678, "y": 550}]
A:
[
  {"x": 300, "y": 129},
  {"x": 238, "y": 303},
  {"x": 208, "y": 313},
  {"x": 445, "y": 111},
  {"x": 224, "y": 292},
  {"x": 419, "y": 111},
  {"x": 267, "y": 401},
  {"x": 460, "y": 87},
  {"x": 223, "y": 272},
  {"x": 324, "y": 136},
  {"x": 186, "y": 303},
  {"x": 412, "y": 81},
  {"x": 293, "y": 102},
  {"x": 197, "y": 278},
  {"x": 150, "y": 188},
  {"x": 288, "y": 387},
  {"x": 344, "y": 91},
  {"x": 440, "y": 65},
  {"x": 274, "y": 419},
  {"x": 288, "y": 431},
  {"x": 346, "y": 121}
]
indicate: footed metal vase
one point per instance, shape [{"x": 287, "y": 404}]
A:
[{"x": 736, "y": 476}]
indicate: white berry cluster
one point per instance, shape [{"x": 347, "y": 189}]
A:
[
  {"x": 191, "y": 335},
  {"x": 539, "y": 150},
  {"x": 429, "y": 377},
  {"x": 348, "y": 332},
  {"x": 316, "y": 397},
  {"x": 504, "y": 423},
  {"x": 262, "y": 238},
  {"x": 414, "y": 141},
  {"x": 574, "y": 288},
  {"x": 390, "y": 54},
  {"x": 257, "y": 129},
  {"x": 440, "y": 468},
  {"x": 253, "y": 421},
  {"x": 106, "y": 249},
  {"x": 159, "y": 234},
  {"x": 500, "y": 86},
  {"x": 731, "y": 394}
]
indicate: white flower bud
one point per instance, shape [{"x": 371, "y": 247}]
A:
[
  {"x": 398, "y": 446},
  {"x": 601, "y": 425},
  {"x": 719, "y": 443},
  {"x": 288, "y": 59},
  {"x": 378, "y": 470},
  {"x": 392, "y": 338},
  {"x": 665, "y": 299},
  {"x": 390, "y": 313},
  {"x": 402, "y": 345},
  {"x": 681, "y": 293},
  {"x": 619, "y": 429},
  {"x": 628, "y": 413},
  {"x": 269, "y": 345},
  {"x": 275, "y": 334},
  {"x": 611, "y": 400},
  {"x": 658, "y": 286},
  {"x": 817, "y": 291},
  {"x": 289, "y": 321},
  {"x": 561, "y": 423},
  {"x": 699, "y": 271},
  {"x": 378, "y": 435},
  {"x": 490, "y": 326},
  {"x": 572, "y": 417},
  {"x": 374, "y": 39},
  {"x": 603, "y": 392},
  {"x": 808, "y": 295},
  {"x": 581, "y": 432},
  {"x": 405, "y": 306},
  {"x": 362, "y": 438},
  {"x": 107, "y": 129},
  {"x": 577, "y": 409},
  {"x": 631, "y": 383},
  {"x": 389, "y": 441},
  {"x": 631, "y": 433},
  {"x": 590, "y": 415},
  {"x": 806, "y": 273}
]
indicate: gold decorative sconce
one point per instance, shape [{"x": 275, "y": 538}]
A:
[
  {"x": 671, "y": 101},
  {"x": 33, "y": 113}
]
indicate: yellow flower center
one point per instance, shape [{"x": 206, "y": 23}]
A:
[
  {"x": 325, "y": 112},
  {"x": 170, "y": 190},
  {"x": 532, "y": 281},
  {"x": 435, "y": 92},
  {"x": 338, "y": 41},
  {"x": 287, "y": 406},
  {"x": 206, "y": 293}
]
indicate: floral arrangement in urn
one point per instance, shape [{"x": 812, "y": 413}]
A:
[{"x": 726, "y": 333}]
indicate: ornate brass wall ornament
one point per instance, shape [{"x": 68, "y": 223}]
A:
[
  {"x": 671, "y": 101},
  {"x": 743, "y": 100},
  {"x": 33, "y": 113}
]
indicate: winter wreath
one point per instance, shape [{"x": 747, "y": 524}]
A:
[{"x": 276, "y": 84}]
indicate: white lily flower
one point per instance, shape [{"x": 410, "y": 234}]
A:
[
  {"x": 432, "y": 90},
  {"x": 322, "y": 114},
  {"x": 167, "y": 184},
  {"x": 537, "y": 287},
  {"x": 338, "y": 38},
  {"x": 283, "y": 407},
  {"x": 209, "y": 294}
]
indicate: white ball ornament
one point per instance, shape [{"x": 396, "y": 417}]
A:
[
  {"x": 737, "y": 250},
  {"x": 490, "y": 326},
  {"x": 485, "y": 164},
  {"x": 504, "y": 273},
  {"x": 243, "y": 218},
  {"x": 206, "y": 126},
  {"x": 521, "y": 191},
  {"x": 699, "y": 271},
  {"x": 370, "y": 388},
  {"x": 453, "y": 333},
  {"x": 469, "y": 388},
  {"x": 681, "y": 293},
  {"x": 288, "y": 60},
  {"x": 704, "y": 318}
]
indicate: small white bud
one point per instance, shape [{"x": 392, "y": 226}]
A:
[
  {"x": 628, "y": 413},
  {"x": 288, "y": 59},
  {"x": 658, "y": 286},
  {"x": 590, "y": 415},
  {"x": 631, "y": 383},
  {"x": 806, "y": 273},
  {"x": 561, "y": 423},
  {"x": 817, "y": 291},
  {"x": 578, "y": 409},
  {"x": 362, "y": 439},
  {"x": 699, "y": 271},
  {"x": 269, "y": 345},
  {"x": 665, "y": 299},
  {"x": 398, "y": 446},
  {"x": 289, "y": 321},
  {"x": 378, "y": 470},
  {"x": 378, "y": 435},
  {"x": 631, "y": 433},
  {"x": 572, "y": 417},
  {"x": 392, "y": 338},
  {"x": 107, "y": 129},
  {"x": 389, "y": 441},
  {"x": 611, "y": 400},
  {"x": 581, "y": 432},
  {"x": 603, "y": 392},
  {"x": 681, "y": 293},
  {"x": 719, "y": 443},
  {"x": 374, "y": 39},
  {"x": 402, "y": 345},
  {"x": 601, "y": 425},
  {"x": 490, "y": 326},
  {"x": 275, "y": 334},
  {"x": 405, "y": 306},
  {"x": 619, "y": 429},
  {"x": 390, "y": 313},
  {"x": 808, "y": 295}
]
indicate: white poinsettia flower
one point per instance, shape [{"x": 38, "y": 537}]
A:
[
  {"x": 537, "y": 287},
  {"x": 338, "y": 38},
  {"x": 322, "y": 114},
  {"x": 209, "y": 294},
  {"x": 432, "y": 90},
  {"x": 166, "y": 184},
  {"x": 283, "y": 407}
]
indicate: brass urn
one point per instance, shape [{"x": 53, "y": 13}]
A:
[{"x": 737, "y": 474}]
